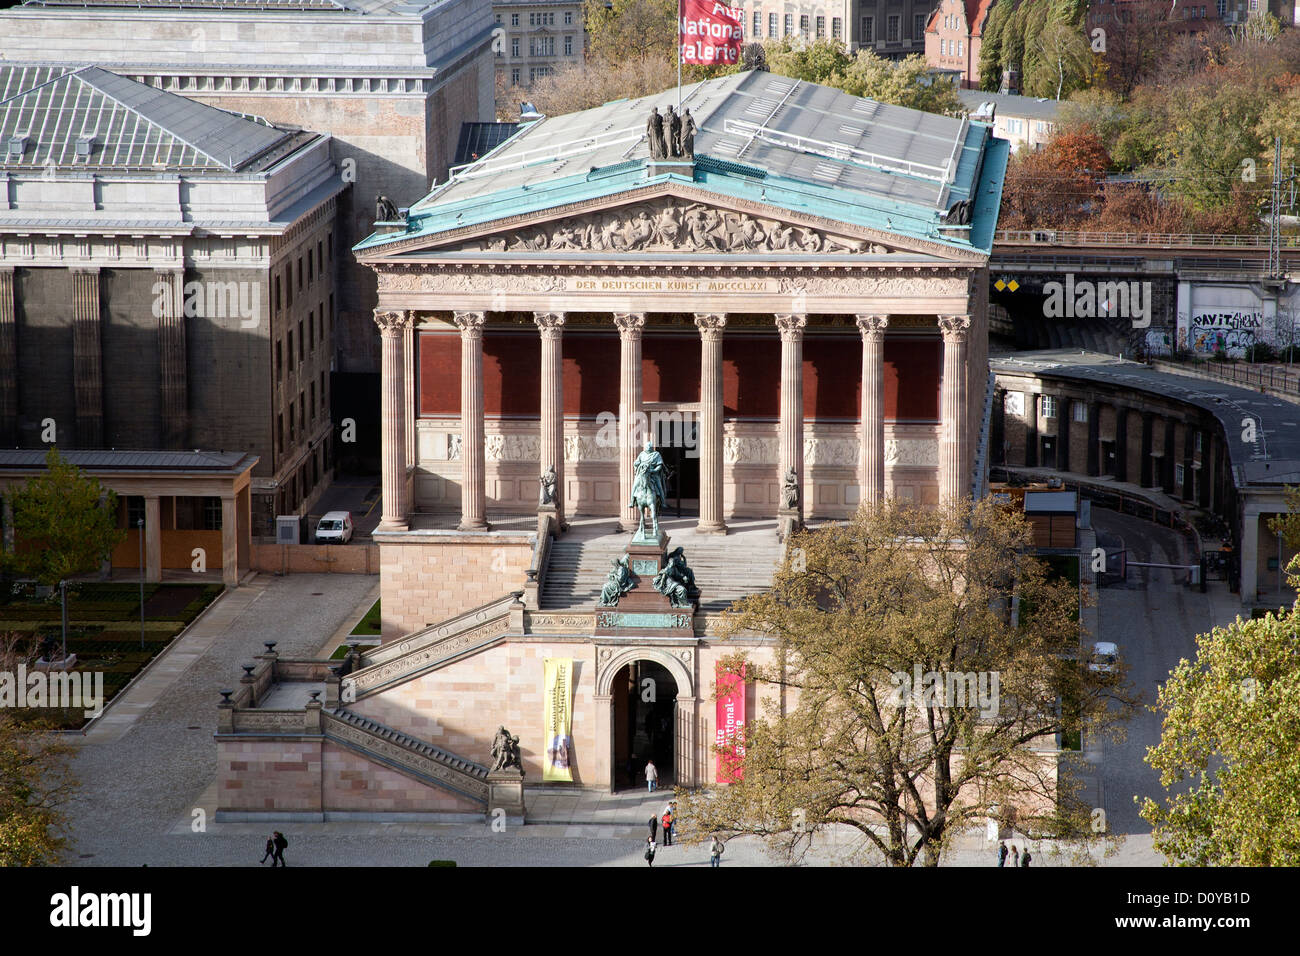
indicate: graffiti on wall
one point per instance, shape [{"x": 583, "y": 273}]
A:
[
  {"x": 1229, "y": 331},
  {"x": 1157, "y": 342}
]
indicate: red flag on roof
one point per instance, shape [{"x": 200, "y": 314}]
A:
[{"x": 710, "y": 32}]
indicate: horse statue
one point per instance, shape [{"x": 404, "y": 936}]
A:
[{"x": 649, "y": 489}]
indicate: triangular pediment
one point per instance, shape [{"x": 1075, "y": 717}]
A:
[{"x": 665, "y": 223}]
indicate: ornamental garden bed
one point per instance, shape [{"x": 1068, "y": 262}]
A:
[{"x": 104, "y": 629}]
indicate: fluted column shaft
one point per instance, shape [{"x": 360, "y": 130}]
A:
[
  {"x": 392, "y": 332},
  {"x": 954, "y": 442},
  {"x": 168, "y": 286},
  {"x": 473, "y": 476},
  {"x": 871, "y": 465},
  {"x": 8, "y": 360},
  {"x": 711, "y": 326},
  {"x": 87, "y": 358},
  {"x": 551, "y": 326},
  {"x": 791, "y": 429},
  {"x": 630, "y": 413}
]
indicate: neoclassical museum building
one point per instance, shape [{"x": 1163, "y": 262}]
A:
[{"x": 792, "y": 310}]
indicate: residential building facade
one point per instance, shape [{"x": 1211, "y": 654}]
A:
[
  {"x": 890, "y": 28},
  {"x": 537, "y": 38},
  {"x": 953, "y": 36}
]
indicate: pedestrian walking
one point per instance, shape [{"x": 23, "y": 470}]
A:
[
  {"x": 654, "y": 826},
  {"x": 715, "y": 851},
  {"x": 1015, "y": 856},
  {"x": 667, "y": 821},
  {"x": 650, "y": 850},
  {"x": 1026, "y": 857},
  {"x": 651, "y": 776},
  {"x": 270, "y": 849},
  {"x": 1002, "y": 853},
  {"x": 281, "y": 844}
]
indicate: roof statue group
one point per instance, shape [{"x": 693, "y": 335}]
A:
[{"x": 671, "y": 135}]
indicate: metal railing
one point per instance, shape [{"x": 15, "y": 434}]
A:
[
  {"x": 1059, "y": 237},
  {"x": 1276, "y": 377}
]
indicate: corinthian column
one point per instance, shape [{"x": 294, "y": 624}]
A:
[
  {"x": 473, "y": 477},
  {"x": 871, "y": 464},
  {"x": 392, "y": 333},
  {"x": 791, "y": 452},
  {"x": 551, "y": 325},
  {"x": 630, "y": 415},
  {"x": 954, "y": 441},
  {"x": 711, "y": 326}
]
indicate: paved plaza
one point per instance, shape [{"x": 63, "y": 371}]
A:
[{"x": 148, "y": 767}]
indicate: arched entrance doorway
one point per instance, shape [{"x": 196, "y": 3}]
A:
[{"x": 644, "y": 701}]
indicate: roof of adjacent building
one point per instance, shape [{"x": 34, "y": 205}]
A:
[
  {"x": 479, "y": 139},
  {"x": 50, "y": 110},
  {"x": 28, "y": 459},
  {"x": 1272, "y": 459},
  {"x": 1012, "y": 104},
  {"x": 782, "y": 142}
]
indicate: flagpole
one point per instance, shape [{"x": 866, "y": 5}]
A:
[{"x": 679, "y": 56}]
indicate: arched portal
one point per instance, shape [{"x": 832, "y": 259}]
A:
[{"x": 643, "y": 699}]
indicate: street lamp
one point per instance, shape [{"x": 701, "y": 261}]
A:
[
  {"x": 139, "y": 523},
  {"x": 63, "y": 601}
]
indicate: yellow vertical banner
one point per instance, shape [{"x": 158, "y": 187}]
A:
[{"x": 558, "y": 690}]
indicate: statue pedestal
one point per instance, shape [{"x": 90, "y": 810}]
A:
[
  {"x": 788, "y": 520},
  {"x": 643, "y": 610},
  {"x": 506, "y": 794}
]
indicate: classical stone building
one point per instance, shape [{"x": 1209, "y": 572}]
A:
[
  {"x": 166, "y": 279},
  {"x": 389, "y": 80},
  {"x": 805, "y": 294}
]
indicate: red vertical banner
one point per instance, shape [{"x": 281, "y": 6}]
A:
[
  {"x": 710, "y": 33},
  {"x": 730, "y": 737}
]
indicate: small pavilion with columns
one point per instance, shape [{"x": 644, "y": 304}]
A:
[{"x": 804, "y": 294}]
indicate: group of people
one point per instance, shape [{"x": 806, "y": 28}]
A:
[
  {"x": 669, "y": 823},
  {"x": 275, "y": 847},
  {"x": 671, "y": 135},
  {"x": 1017, "y": 858}
]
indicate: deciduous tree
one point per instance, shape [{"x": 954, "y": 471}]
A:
[{"x": 856, "y": 613}]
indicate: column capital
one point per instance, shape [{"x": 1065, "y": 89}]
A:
[
  {"x": 392, "y": 322},
  {"x": 551, "y": 324},
  {"x": 629, "y": 323},
  {"x": 791, "y": 324},
  {"x": 872, "y": 324},
  {"x": 470, "y": 323},
  {"x": 710, "y": 324},
  {"x": 954, "y": 327}
]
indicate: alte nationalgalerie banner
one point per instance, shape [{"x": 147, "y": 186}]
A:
[{"x": 710, "y": 32}]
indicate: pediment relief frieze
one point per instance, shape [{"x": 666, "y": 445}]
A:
[{"x": 670, "y": 225}]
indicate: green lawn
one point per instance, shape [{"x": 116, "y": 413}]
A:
[
  {"x": 368, "y": 626},
  {"x": 104, "y": 628}
]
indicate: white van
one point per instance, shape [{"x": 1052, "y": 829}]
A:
[{"x": 334, "y": 528}]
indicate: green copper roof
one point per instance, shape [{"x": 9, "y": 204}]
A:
[{"x": 768, "y": 139}]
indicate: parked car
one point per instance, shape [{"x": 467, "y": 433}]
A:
[
  {"x": 1104, "y": 657},
  {"x": 334, "y": 528}
]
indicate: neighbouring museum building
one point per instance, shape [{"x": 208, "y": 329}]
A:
[{"x": 792, "y": 310}]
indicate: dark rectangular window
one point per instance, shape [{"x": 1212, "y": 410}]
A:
[
  {"x": 211, "y": 514},
  {"x": 291, "y": 347},
  {"x": 302, "y": 343},
  {"x": 279, "y": 365},
  {"x": 312, "y": 394},
  {"x": 134, "y": 510},
  {"x": 300, "y": 273}
]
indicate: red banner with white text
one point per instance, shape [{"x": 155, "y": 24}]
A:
[
  {"x": 730, "y": 736},
  {"x": 710, "y": 32}
]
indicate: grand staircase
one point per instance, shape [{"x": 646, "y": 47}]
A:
[
  {"x": 727, "y": 567},
  {"x": 415, "y": 758}
]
